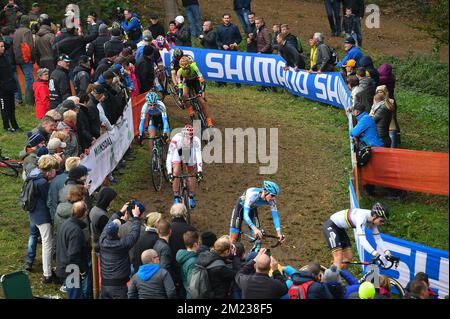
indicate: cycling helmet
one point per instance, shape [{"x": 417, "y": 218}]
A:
[
  {"x": 380, "y": 211},
  {"x": 271, "y": 187},
  {"x": 185, "y": 61},
  {"x": 160, "y": 41},
  {"x": 188, "y": 131},
  {"x": 178, "y": 53},
  {"x": 151, "y": 98}
]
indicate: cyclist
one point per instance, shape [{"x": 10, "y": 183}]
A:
[
  {"x": 157, "y": 117},
  {"x": 338, "y": 240},
  {"x": 175, "y": 64},
  {"x": 247, "y": 209},
  {"x": 184, "y": 148},
  {"x": 190, "y": 77},
  {"x": 160, "y": 43}
]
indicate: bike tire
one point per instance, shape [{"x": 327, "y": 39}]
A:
[
  {"x": 156, "y": 172},
  {"x": 185, "y": 199},
  {"x": 175, "y": 97},
  {"x": 164, "y": 151},
  {"x": 8, "y": 169},
  {"x": 396, "y": 288}
]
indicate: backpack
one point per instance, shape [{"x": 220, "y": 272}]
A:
[
  {"x": 364, "y": 154},
  {"x": 200, "y": 285},
  {"x": 299, "y": 291},
  {"x": 27, "y": 197},
  {"x": 334, "y": 59}
]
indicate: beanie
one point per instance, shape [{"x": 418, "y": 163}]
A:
[
  {"x": 331, "y": 274},
  {"x": 208, "y": 238}
]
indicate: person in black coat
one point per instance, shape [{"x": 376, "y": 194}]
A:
[
  {"x": 288, "y": 52},
  {"x": 59, "y": 82},
  {"x": 82, "y": 75},
  {"x": 98, "y": 215},
  {"x": 71, "y": 248},
  {"x": 95, "y": 97},
  {"x": 7, "y": 89},
  {"x": 254, "y": 280},
  {"x": 96, "y": 49},
  {"x": 105, "y": 64},
  {"x": 179, "y": 226},
  {"x": 145, "y": 69},
  {"x": 208, "y": 37},
  {"x": 85, "y": 137},
  {"x": 155, "y": 27},
  {"x": 115, "y": 45}
]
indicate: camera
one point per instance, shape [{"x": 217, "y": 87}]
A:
[{"x": 267, "y": 252}]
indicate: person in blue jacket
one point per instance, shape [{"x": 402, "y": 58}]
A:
[
  {"x": 132, "y": 26},
  {"x": 366, "y": 129},
  {"x": 353, "y": 52}
]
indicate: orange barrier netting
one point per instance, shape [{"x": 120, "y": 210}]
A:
[
  {"x": 136, "y": 104},
  {"x": 419, "y": 171}
]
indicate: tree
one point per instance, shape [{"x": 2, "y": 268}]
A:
[{"x": 171, "y": 10}]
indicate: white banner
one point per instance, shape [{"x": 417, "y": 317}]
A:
[{"x": 109, "y": 149}]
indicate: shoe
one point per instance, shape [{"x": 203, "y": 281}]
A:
[
  {"x": 28, "y": 266},
  {"x": 63, "y": 289},
  {"x": 16, "y": 130},
  {"x": 18, "y": 102},
  {"x": 11, "y": 130},
  {"x": 192, "y": 202},
  {"x": 176, "y": 200}
]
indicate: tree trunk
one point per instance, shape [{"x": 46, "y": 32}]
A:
[{"x": 171, "y": 10}]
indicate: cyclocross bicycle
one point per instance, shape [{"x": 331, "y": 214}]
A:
[
  {"x": 9, "y": 167},
  {"x": 257, "y": 242},
  {"x": 184, "y": 193},
  {"x": 158, "y": 160}
]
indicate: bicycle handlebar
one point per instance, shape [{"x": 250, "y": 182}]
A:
[
  {"x": 394, "y": 261},
  {"x": 265, "y": 234}
]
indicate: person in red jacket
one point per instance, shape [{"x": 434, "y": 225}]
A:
[{"x": 41, "y": 93}]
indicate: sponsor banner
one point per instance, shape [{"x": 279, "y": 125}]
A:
[
  {"x": 109, "y": 149},
  {"x": 267, "y": 70},
  {"x": 414, "y": 258}
]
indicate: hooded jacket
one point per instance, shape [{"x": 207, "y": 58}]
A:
[
  {"x": 85, "y": 137},
  {"x": 115, "y": 45},
  {"x": 152, "y": 282},
  {"x": 23, "y": 45},
  {"x": 317, "y": 290},
  {"x": 59, "y": 86},
  {"x": 187, "y": 261},
  {"x": 147, "y": 240},
  {"x": 40, "y": 214},
  {"x": 220, "y": 277},
  {"x": 45, "y": 39},
  {"x": 367, "y": 63},
  {"x": 386, "y": 77},
  {"x": 366, "y": 125},
  {"x": 96, "y": 49},
  {"x": 99, "y": 214},
  {"x": 42, "y": 97},
  {"x": 94, "y": 116}
]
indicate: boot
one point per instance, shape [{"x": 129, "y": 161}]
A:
[{"x": 29, "y": 98}]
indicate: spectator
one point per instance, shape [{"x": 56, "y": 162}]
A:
[
  {"x": 28, "y": 156},
  {"x": 147, "y": 40},
  {"x": 95, "y": 97},
  {"x": 254, "y": 280},
  {"x": 220, "y": 276},
  {"x": 313, "y": 52},
  {"x": 182, "y": 37},
  {"x": 34, "y": 12},
  {"x": 290, "y": 54},
  {"x": 145, "y": 69},
  {"x": 64, "y": 210},
  {"x": 366, "y": 129},
  {"x": 208, "y": 37},
  {"x": 55, "y": 146},
  {"x": 386, "y": 77},
  {"x": 82, "y": 75},
  {"x": 311, "y": 278},
  {"x": 9, "y": 14},
  {"x": 332, "y": 281},
  {"x": 115, "y": 45},
  {"x": 24, "y": 56},
  {"x": 41, "y": 93},
  {"x": 350, "y": 69},
  {"x": 382, "y": 115},
  {"x": 366, "y": 88},
  {"x": 228, "y": 35},
  {"x": 69, "y": 126},
  {"x": 322, "y": 54},
  {"x": 354, "y": 88},
  {"x": 46, "y": 127},
  {"x": 147, "y": 239},
  {"x": 418, "y": 289},
  {"x": 208, "y": 239},
  {"x": 251, "y": 34},
  {"x": 92, "y": 24},
  {"x": 187, "y": 258},
  {"x": 384, "y": 292},
  {"x": 367, "y": 63},
  {"x": 40, "y": 215},
  {"x": 353, "y": 52},
  {"x": 85, "y": 137},
  {"x": 290, "y": 38},
  {"x": 76, "y": 176},
  {"x": 104, "y": 65},
  {"x": 163, "y": 249},
  {"x": 132, "y": 26},
  {"x": 333, "y": 8},
  {"x": 8, "y": 39},
  {"x": 151, "y": 281},
  {"x": 7, "y": 89},
  {"x": 263, "y": 37},
  {"x": 114, "y": 257},
  {"x": 72, "y": 249},
  {"x": 358, "y": 10},
  {"x": 192, "y": 10},
  {"x": 350, "y": 24},
  {"x": 96, "y": 49},
  {"x": 155, "y": 27},
  {"x": 68, "y": 104},
  {"x": 236, "y": 292},
  {"x": 98, "y": 215},
  {"x": 58, "y": 183},
  {"x": 394, "y": 130},
  {"x": 276, "y": 28},
  {"x": 55, "y": 116},
  {"x": 242, "y": 9},
  {"x": 45, "y": 38},
  {"x": 423, "y": 277},
  {"x": 179, "y": 226},
  {"x": 170, "y": 32},
  {"x": 59, "y": 84}
]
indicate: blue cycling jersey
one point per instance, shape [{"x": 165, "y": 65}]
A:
[
  {"x": 160, "y": 109},
  {"x": 252, "y": 198}
]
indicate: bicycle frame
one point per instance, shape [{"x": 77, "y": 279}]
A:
[{"x": 257, "y": 241}]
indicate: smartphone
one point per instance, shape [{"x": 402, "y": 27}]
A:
[{"x": 267, "y": 252}]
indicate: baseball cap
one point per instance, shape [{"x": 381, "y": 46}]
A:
[
  {"x": 350, "y": 40},
  {"x": 54, "y": 143},
  {"x": 65, "y": 58},
  {"x": 35, "y": 4},
  {"x": 351, "y": 63},
  {"x": 35, "y": 139}
]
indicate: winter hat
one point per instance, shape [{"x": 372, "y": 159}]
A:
[
  {"x": 208, "y": 238},
  {"x": 54, "y": 143},
  {"x": 331, "y": 274},
  {"x": 179, "y": 19},
  {"x": 351, "y": 63},
  {"x": 148, "y": 36},
  {"x": 112, "y": 229},
  {"x": 35, "y": 139},
  {"x": 41, "y": 72},
  {"x": 103, "y": 29}
]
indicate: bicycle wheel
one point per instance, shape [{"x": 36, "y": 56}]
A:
[
  {"x": 8, "y": 169},
  {"x": 396, "y": 288},
  {"x": 164, "y": 148},
  {"x": 157, "y": 174},
  {"x": 162, "y": 80},
  {"x": 185, "y": 199},
  {"x": 174, "y": 94}
]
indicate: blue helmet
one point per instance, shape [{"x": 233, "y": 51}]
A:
[
  {"x": 271, "y": 187},
  {"x": 151, "y": 98}
]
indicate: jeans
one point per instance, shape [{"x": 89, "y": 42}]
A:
[
  {"x": 18, "y": 94},
  {"x": 358, "y": 32},
  {"x": 394, "y": 138},
  {"x": 32, "y": 243},
  {"x": 333, "y": 6},
  {"x": 47, "y": 246},
  {"x": 114, "y": 292},
  {"x": 27, "y": 70},
  {"x": 193, "y": 14},
  {"x": 243, "y": 17}
]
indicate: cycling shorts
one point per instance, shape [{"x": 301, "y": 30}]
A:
[
  {"x": 336, "y": 237},
  {"x": 195, "y": 85},
  {"x": 189, "y": 160},
  {"x": 237, "y": 217}
]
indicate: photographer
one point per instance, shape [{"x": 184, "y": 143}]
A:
[
  {"x": 132, "y": 26},
  {"x": 8, "y": 17},
  {"x": 114, "y": 258}
]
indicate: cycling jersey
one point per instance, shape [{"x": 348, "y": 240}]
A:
[
  {"x": 246, "y": 209},
  {"x": 166, "y": 45},
  {"x": 193, "y": 73},
  {"x": 159, "y": 110},
  {"x": 358, "y": 218},
  {"x": 175, "y": 153}
]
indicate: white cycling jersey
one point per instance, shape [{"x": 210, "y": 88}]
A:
[
  {"x": 176, "y": 147},
  {"x": 359, "y": 219}
]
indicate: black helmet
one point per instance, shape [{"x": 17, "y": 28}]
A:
[
  {"x": 178, "y": 53},
  {"x": 380, "y": 210}
]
